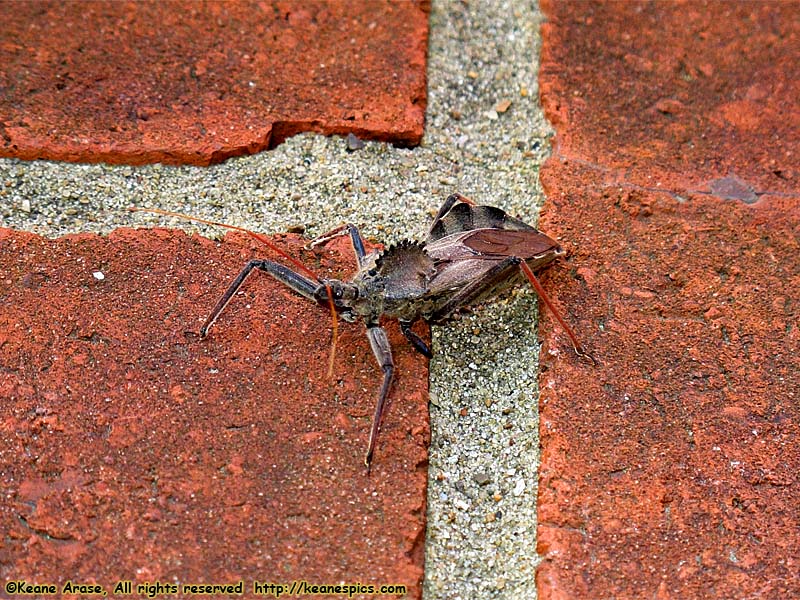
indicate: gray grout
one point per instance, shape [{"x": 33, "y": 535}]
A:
[{"x": 481, "y": 539}]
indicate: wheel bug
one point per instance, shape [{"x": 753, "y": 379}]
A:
[{"x": 471, "y": 252}]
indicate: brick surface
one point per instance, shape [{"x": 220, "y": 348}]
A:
[
  {"x": 678, "y": 96},
  {"x": 196, "y": 83},
  {"x": 133, "y": 450},
  {"x": 670, "y": 471}
]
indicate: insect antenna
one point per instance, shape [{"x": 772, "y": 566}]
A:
[
  {"x": 263, "y": 239},
  {"x": 576, "y": 345}
]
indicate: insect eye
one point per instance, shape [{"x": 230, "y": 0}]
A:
[{"x": 337, "y": 289}]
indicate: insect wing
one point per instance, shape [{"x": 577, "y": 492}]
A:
[
  {"x": 469, "y": 255},
  {"x": 500, "y": 243},
  {"x": 453, "y": 275},
  {"x": 493, "y": 244}
]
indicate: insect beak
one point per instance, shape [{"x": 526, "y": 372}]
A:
[{"x": 346, "y": 314}]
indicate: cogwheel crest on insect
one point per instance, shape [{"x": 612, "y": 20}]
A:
[{"x": 405, "y": 265}]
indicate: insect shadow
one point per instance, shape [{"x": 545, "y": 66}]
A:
[{"x": 471, "y": 252}]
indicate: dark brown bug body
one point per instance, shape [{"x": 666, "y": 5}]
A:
[
  {"x": 469, "y": 255},
  {"x": 471, "y": 252}
]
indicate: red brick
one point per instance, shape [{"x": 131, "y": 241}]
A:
[
  {"x": 134, "y": 450},
  {"x": 676, "y": 95},
  {"x": 671, "y": 469},
  {"x": 184, "y": 82}
]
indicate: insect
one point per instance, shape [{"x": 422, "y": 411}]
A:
[{"x": 471, "y": 252}]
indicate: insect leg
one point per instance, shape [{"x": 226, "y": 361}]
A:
[
  {"x": 355, "y": 238},
  {"x": 383, "y": 354},
  {"x": 358, "y": 244},
  {"x": 576, "y": 345},
  {"x": 358, "y": 247},
  {"x": 416, "y": 341},
  {"x": 300, "y": 284}
]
